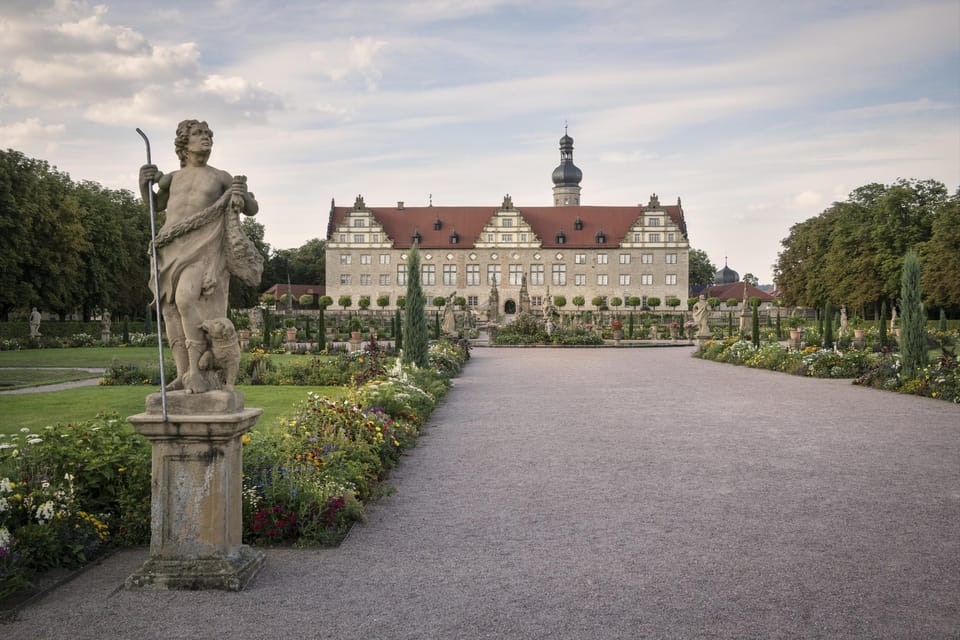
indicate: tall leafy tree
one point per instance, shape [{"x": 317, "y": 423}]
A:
[
  {"x": 701, "y": 270},
  {"x": 941, "y": 257},
  {"x": 415, "y": 335}
]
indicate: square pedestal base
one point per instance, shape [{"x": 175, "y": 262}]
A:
[{"x": 226, "y": 574}]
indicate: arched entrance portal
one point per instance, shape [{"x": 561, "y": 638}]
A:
[{"x": 510, "y": 307}]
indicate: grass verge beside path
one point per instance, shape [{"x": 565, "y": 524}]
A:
[
  {"x": 13, "y": 378},
  {"x": 37, "y": 410}
]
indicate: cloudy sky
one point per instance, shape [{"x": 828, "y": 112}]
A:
[{"x": 757, "y": 113}]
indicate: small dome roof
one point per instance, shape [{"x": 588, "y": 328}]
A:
[{"x": 726, "y": 276}]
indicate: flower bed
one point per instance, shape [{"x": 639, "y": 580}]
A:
[
  {"x": 72, "y": 491},
  {"x": 940, "y": 379}
]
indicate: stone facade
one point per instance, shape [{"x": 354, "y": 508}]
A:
[{"x": 569, "y": 250}]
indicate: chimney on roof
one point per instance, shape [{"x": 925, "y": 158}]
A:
[{"x": 400, "y": 204}]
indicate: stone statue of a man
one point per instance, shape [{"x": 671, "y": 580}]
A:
[
  {"x": 200, "y": 245},
  {"x": 34, "y": 321},
  {"x": 701, "y": 315}
]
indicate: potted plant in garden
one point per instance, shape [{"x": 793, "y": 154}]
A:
[
  {"x": 242, "y": 323},
  {"x": 291, "y": 326},
  {"x": 796, "y": 326},
  {"x": 617, "y": 327},
  {"x": 858, "y": 325},
  {"x": 355, "y": 328}
]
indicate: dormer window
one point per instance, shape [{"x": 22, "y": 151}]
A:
[
  {"x": 561, "y": 237},
  {"x": 416, "y": 238},
  {"x": 437, "y": 224},
  {"x": 578, "y": 224},
  {"x": 454, "y": 237},
  {"x": 601, "y": 237}
]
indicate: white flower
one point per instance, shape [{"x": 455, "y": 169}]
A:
[
  {"x": 5, "y": 485},
  {"x": 24, "y": 430},
  {"x": 34, "y": 440},
  {"x": 5, "y": 538},
  {"x": 45, "y": 512},
  {"x": 4, "y": 506}
]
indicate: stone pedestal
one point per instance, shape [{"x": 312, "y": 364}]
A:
[
  {"x": 105, "y": 337},
  {"x": 197, "y": 484}
]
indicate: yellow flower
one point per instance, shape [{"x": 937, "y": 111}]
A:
[
  {"x": 121, "y": 470},
  {"x": 245, "y": 440}
]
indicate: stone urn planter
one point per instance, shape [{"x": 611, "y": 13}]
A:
[
  {"x": 858, "y": 333},
  {"x": 244, "y": 334},
  {"x": 794, "y": 334},
  {"x": 355, "y": 335},
  {"x": 292, "y": 334}
]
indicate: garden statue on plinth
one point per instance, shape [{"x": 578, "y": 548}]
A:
[
  {"x": 196, "y": 423},
  {"x": 105, "y": 327},
  {"x": 34, "y": 321},
  {"x": 448, "y": 325},
  {"x": 701, "y": 315}
]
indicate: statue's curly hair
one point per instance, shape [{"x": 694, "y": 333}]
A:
[{"x": 183, "y": 135}]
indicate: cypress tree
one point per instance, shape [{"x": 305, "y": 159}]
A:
[
  {"x": 415, "y": 322},
  {"x": 730, "y": 323},
  {"x": 827, "y": 320},
  {"x": 913, "y": 332},
  {"x": 883, "y": 324},
  {"x": 398, "y": 332},
  {"x": 779, "y": 327},
  {"x": 321, "y": 332},
  {"x": 943, "y": 319},
  {"x": 755, "y": 327}
]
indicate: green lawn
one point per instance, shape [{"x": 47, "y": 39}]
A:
[
  {"x": 11, "y": 378},
  {"x": 80, "y": 357},
  {"x": 36, "y": 410}
]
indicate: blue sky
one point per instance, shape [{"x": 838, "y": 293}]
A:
[{"x": 757, "y": 114}]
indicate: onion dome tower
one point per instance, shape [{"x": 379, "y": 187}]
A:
[
  {"x": 726, "y": 275},
  {"x": 566, "y": 177}
]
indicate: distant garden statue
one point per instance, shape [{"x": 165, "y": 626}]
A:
[
  {"x": 701, "y": 315},
  {"x": 34, "y": 323}
]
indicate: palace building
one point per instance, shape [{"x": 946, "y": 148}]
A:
[{"x": 480, "y": 252}]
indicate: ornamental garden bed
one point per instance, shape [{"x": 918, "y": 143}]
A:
[{"x": 70, "y": 492}]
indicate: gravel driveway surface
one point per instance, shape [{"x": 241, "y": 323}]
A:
[{"x": 609, "y": 493}]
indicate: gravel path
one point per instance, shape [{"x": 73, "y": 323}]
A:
[
  {"x": 60, "y": 386},
  {"x": 609, "y": 493}
]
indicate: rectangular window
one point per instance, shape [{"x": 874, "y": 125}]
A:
[
  {"x": 365, "y": 279},
  {"x": 384, "y": 279},
  {"x": 473, "y": 275},
  {"x": 384, "y": 258},
  {"x": 359, "y": 222},
  {"x": 624, "y": 258},
  {"x": 653, "y": 222},
  {"x": 653, "y": 237},
  {"x": 646, "y": 258},
  {"x": 493, "y": 274},
  {"x": 506, "y": 237},
  {"x": 601, "y": 258},
  {"x": 536, "y": 301},
  {"x": 536, "y": 274},
  {"x": 670, "y": 237},
  {"x": 506, "y": 222},
  {"x": 624, "y": 279},
  {"x": 579, "y": 279},
  {"x": 428, "y": 273},
  {"x": 580, "y": 258},
  {"x": 670, "y": 278},
  {"x": 638, "y": 237},
  {"x": 523, "y": 237},
  {"x": 602, "y": 279},
  {"x": 366, "y": 259},
  {"x": 671, "y": 258},
  {"x": 358, "y": 237},
  {"x": 345, "y": 258},
  {"x": 402, "y": 275},
  {"x": 559, "y": 274},
  {"x": 450, "y": 275},
  {"x": 343, "y": 237},
  {"x": 646, "y": 278},
  {"x": 489, "y": 237},
  {"x": 473, "y": 301},
  {"x": 374, "y": 237},
  {"x": 516, "y": 274},
  {"x": 345, "y": 278}
]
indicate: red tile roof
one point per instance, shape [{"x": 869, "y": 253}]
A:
[
  {"x": 401, "y": 224},
  {"x": 735, "y": 290}
]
